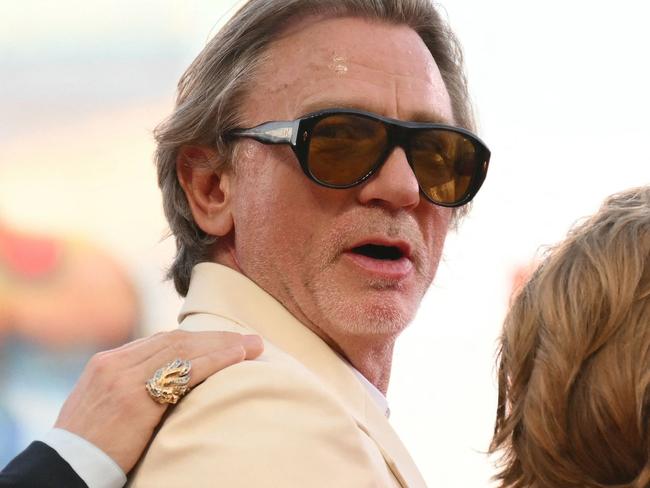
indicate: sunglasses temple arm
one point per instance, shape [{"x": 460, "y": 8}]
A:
[{"x": 271, "y": 132}]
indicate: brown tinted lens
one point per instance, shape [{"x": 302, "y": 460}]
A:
[
  {"x": 344, "y": 148},
  {"x": 444, "y": 163}
]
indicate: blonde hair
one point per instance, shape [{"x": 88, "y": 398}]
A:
[
  {"x": 574, "y": 359},
  {"x": 211, "y": 91}
]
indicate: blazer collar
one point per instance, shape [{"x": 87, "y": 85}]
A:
[{"x": 222, "y": 291}]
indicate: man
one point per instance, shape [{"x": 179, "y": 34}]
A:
[{"x": 320, "y": 230}]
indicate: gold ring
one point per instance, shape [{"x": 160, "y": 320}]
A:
[{"x": 170, "y": 383}]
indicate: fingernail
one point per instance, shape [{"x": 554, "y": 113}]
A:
[{"x": 253, "y": 342}]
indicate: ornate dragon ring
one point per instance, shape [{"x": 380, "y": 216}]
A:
[{"x": 170, "y": 383}]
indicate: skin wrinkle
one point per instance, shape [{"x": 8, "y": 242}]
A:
[
  {"x": 357, "y": 98},
  {"x": 314, "y": 104},
  {"x": 357, "y": 93},
  {"x": 363, "y": 74},
  {"x": 396, "y": 96},
  {"x": 290, "y": 234},
  {"x": 373, "y": 224},
  {"x": 372, "y": 70}
]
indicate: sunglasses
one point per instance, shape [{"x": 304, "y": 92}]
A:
[{"x": 341, "y": 148}]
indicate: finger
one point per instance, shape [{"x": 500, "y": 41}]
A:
[
  {"x": 209, "y": 364},
  {"x": 182, "y": 343},
  {"x": 192, "y": 345},
  {"x": 138, "y": 350},
  {"x": 253, "y": 346}
]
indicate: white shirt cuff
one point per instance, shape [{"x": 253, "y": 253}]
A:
[{"x": 94, "y": 466}]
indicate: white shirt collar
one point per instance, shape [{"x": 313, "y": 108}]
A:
[{"x": 375, "y": 394}]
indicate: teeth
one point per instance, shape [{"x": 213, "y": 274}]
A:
[{"x": 379, "y": 252}]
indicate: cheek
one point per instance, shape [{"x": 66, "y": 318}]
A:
[
  {"x": 442, "y": 222},
  {"x": 255, "y": 196},
  {"x": 269, "y": 209},
  {"x": 439, "y": 220}
]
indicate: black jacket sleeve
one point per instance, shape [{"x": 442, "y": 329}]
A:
[{"x": 39, "y": 466}]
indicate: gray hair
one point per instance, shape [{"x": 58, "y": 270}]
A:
[{"x": 210, "y": 93}]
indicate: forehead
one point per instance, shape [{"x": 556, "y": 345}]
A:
[{"x": 348, "y": 62}]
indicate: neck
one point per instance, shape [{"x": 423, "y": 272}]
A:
[
  {"x": 374, "y": 363},
  {"x": 372, "y": 356},
  {"x": 224, "y": 253}
]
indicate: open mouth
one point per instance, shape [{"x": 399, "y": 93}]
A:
[{"x": 376, "y": 251}]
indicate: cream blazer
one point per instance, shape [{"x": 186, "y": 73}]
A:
[{"x": 295, "y": 417}]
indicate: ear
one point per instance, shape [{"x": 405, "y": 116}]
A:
[{"x": 207, "y": 186}]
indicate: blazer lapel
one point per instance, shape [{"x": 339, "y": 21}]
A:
[{"x": 221, "y": 291}]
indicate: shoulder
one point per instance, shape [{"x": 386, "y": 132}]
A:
[
  {"x": 274, "y": 390},
  {"x": 269, "y": 422},
  {"x": 275, "y": 378}
]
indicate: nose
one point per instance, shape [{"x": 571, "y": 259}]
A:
[{"x": 393, "y": 185}]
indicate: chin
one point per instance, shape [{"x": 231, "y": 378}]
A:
[
  {"x": 375, "y": 311},
  {"x": 383, "y": 319}
]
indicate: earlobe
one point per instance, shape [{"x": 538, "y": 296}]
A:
[{"x": 206, "y": 182}]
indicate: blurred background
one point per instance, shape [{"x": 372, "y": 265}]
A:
[{"x": 561, "y": 91}]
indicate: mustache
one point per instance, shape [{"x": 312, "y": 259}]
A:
[{"x": 360, "y": 225}]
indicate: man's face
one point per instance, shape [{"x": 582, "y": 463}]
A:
[{"x": 303, "y": 243}]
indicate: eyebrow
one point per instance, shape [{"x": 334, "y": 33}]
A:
[{"x": 416, "y": 116}]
